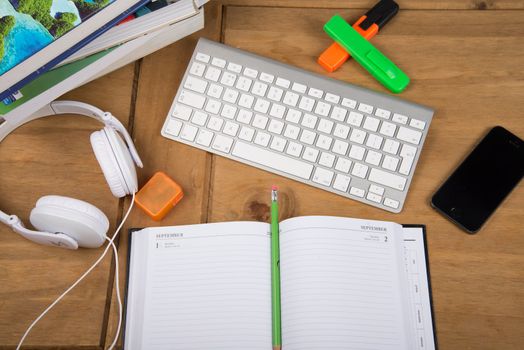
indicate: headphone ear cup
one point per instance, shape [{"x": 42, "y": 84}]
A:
[
  {"x": 108, "y": 164},
  {"x": 77, "y": 219},
  {"x": 124, "y": 160}
]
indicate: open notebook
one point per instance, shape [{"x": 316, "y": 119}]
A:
[{"x": 345, "y": 284}]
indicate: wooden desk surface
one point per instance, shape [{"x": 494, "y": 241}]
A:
[{"x": 465, "y": 58}]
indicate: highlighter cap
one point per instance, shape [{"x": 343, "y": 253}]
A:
[{"x": 158, "y": 196}]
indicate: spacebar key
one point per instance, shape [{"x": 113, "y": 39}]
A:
[{"x": 273, "y": 160}]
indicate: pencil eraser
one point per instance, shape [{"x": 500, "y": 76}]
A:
[{"x": 158, "y": 196}]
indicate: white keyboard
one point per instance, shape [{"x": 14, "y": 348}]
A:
[{"x": 329, "y": 134}]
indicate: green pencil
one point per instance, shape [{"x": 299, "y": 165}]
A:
[{"x": 275, "y": 272}]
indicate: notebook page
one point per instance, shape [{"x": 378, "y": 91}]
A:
[
  {"x": 343, "y": 285},
  {"x": 204, "y": 287},
  {"x": 422, "y": 321}
]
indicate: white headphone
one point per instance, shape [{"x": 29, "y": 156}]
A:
[{"x": 71, "y": 223}]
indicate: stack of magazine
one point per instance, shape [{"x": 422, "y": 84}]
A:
[{"x": 49, "y": 47}]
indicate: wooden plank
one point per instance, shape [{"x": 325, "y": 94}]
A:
[
  {"x": 367, "y": 4},
  {"x": 160, "y": 75},
  {"x": 54, "y": 156},
  {"x": 474, "y": 79}
]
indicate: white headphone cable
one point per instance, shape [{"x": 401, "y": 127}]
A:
[{"x": 109, "y": 245}]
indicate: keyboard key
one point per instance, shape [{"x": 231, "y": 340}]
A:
[
  {"x": 262, "y": 139},
  {"x": 275, "y": 94},
  {"x": 212, "y": 73},
  {"x": 315, "y": 92},
  {"x": 246, "y": 134},
  {"x": 326, "y": 159},
  {"x": 259, "y": 89},
  {"x": 418, "y": 124},
  {"x": 218, "y": 62},
  {"x": 325, "y": 126},
  {"x": 382, "y": 113},
  {"x": 388, "y": 129},
  {"x": 197, "y": 69},
  {"x": 283, "y": 83},
  {"x": 261, "y": 106},
  {"x": 299, "y": 88},
  {"x": 229, "y": 111},
  {"x": 244, "y": 84},
  {"x": 268, "y": 78},
  {"x": 390, "y": 163},
  {"x": 409, "y": 135},
  {"x": 306, "y": 103},
  {"x": 343, "y": 165},
  {"x": 188, "y": 132},
  {"x": 355, "y": 119},
  {"x": 260, "y": 121},
  {"x": 277, "y": 111},
  {"x": 173, "y": 127},
  {"x": 358, "y": 136},
  {"x": 215, "y": 123},
  {"x": 346, "y": 102},
  {"x": 324, "y": 142},
  {"x": 216, "y": 91},
  {"x": 391, "y": 203},
  {"x": 408, "y": 157},
  {"x": 357, "y": 152},
  {"x": 246, "y": 101},
  {"x": 341, "y": 131},
  {"x": 322, "y": 109},
  {"x": 273, "y": 160},
  {"x": 341, "y": 182},
  {"x": 199, "y": 118},
  {"x": 230, "y": 95},
  {"x": 293, "y": 115},
  {"x": 365, "y": 108},
  {"x": 291, "y": 98},
  {"x": 249, "y": 72},
  {"x": 374, "y": 141},
  {"x": 228, "y": 79},
  {"x": 399, "y": 118},
  {"x": 275, "y": 126},
  {"x": 323, "y": 176},
  {"x": 231, "y": 128},
  {"x": 387, "y": 179},
  {"x": 294, "y": 149},
  {"x": 391, "y": 146},
  {"x": 340, "y": 147},
  {"x": 204, "y": 138},
  {"x": 244, "y": 116},
  {"x": 192, "y": 99},
  {"x": 213, "y": 106},
  {"x": 371, "y": 124},
  {"x": 278, "y": 144},
  {"x": 338, "y": 113},
  {"x": 234, "y": 67},
  {"x": 222, "y": 143},
  {"x": 181, "y": 112},
  {"x": 310, "y": 154},
  {"x": 202, "y": 57},
  {"x": 374, "y": 197},
  {"x": 308, "y": 137},
  {"x": 357, "y": 192},
  {"x": 376, "y": 189},
  {"x": 309, "y": 121},
  {"x": 292, "y": 131},
  {"x": 373, "y": 158},
  {"x": 332, "y": 98},
  {"x": 360, "y": 170}
]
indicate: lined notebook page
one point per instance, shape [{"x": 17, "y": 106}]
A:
[
  {"x": 203, "y": 287},
  {"x": 343, "y": 285}
]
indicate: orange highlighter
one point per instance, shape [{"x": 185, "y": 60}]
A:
[{"x": 367, "y": 26}]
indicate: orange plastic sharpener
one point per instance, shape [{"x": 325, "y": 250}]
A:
[{"x": 159, "y": 195}]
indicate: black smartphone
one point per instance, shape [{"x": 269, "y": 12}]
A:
[{"x": 477, "y": 187}]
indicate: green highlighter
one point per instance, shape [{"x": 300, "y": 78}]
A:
[{"x": 381, "y": 67}]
